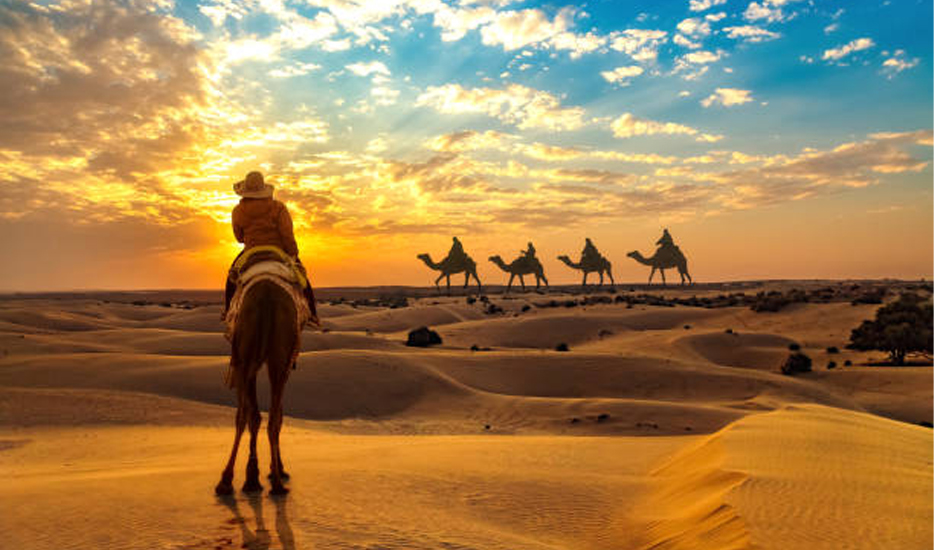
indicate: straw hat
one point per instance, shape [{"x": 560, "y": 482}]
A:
[{"x": 253, "y": 187}]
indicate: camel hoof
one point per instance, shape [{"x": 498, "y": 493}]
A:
[
  {"x": 279, "y": 490},
  {"x": 282, "y": 475},
  {"x": 223, "y": 489},
  {"x": 252, "y": 487}
]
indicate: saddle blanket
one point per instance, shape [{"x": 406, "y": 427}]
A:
[{"x": 281, "y": 275}]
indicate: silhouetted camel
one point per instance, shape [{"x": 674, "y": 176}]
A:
[
  {"x": 447, "y": 268},
  {"x": 265, "y": 332},
  {"x": 664, "y": 258},
  {"x": 600, "y": 265},
  {"x": 523, "y": 265}
]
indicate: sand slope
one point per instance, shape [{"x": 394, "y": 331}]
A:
[{"x": 803, "y": 477}]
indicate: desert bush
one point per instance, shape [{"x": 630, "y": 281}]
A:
[
  {"x": 796, "y": 363},
  {"x": 900, "y": 328},
  {"x": 873, "y": 296}
]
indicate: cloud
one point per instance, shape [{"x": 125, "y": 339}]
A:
[
  {"x": 750, "y": 33},
  {"x": 702, "y": 5},
  {"x": 628, "y": 125},
  {"x": 516, "y": 104},
  {"x": 897, "y": 63},
  {"x": 727, "y": 97},
  {"x": 297, "y": 69},
  {"x": 694, "y": 27},
  {"x": 813, "y": 173},
  {"x": 640, "y": 44},
  {"x": 468, "y": 140},
  {"x": 685, "y": 42},
  {"x": 367, "y": 69},
  {"x": 692, "y": 59},
  {"x": 621, "y": 75},
  {"x": 517, "y": 29},
  {"x": 769, "y": 10},
  {"x": 835, "y": 54}
]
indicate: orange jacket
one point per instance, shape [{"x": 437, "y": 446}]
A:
[{"x": 264, "y": 222}]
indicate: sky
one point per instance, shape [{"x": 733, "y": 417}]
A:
[{"x": 775, "y": 139}]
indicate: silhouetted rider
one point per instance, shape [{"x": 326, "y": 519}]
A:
[{"x": 590, "y": 251}]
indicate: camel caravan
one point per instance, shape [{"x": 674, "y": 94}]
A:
[
  {"x": 269, "y": 301},
  {"x": 667, "y": 256}
]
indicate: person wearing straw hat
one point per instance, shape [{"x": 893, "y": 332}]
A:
[{"x": 261, "y": 221}]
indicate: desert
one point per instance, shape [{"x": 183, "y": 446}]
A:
[{"x": 664, "y": 425}]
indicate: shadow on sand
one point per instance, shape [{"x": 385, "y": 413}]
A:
[{"x": 253, "y": 532}]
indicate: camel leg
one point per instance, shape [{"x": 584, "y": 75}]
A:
[
  {"x": 509, "y": 284},
  {"x": 652, "y": 274},
  {"x": 522, "y": 282},
  {"x": 544, "y": 279},
  {"x": 664, "y": 282},
  {"x": 466, "y": 278},
  {"x": 277, "y": 379},
  {"x": 438, "y": 280},
  {"x": 684, "y": 273},
  {"x": 584, "y": 283},
  {"x": 601, "y": 277},
  {"x": 479, "y": 285},
  {"x": 610, "y": 273},
  {"x": 449, "y": 284},
  {"x": 225, "y": 485},
  {"x": 252, "y": 466}
]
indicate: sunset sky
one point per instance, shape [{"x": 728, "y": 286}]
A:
[{"x": 774, "y": 138}]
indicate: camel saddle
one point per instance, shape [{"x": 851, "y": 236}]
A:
[{"x": 270, "y": 260}]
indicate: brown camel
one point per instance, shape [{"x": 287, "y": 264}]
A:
[
  {"x": 447, "y": 268},
  {"x": 664, "y": 258},
  {"x": 600, "y": 265},
  {"x": 522, "y": 265},
  {"x": 265, "y": 332}
]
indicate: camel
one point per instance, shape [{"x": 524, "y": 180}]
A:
[
  {"x": 664, "y": 258},
  {"x": 265, "y": 332},
  {"x": 522, "y": 265},
  {"x": 447, "y": 268},
  {"x": 600, "y": 265}
]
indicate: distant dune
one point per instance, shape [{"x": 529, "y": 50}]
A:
[{"x": 663, "y": 426}]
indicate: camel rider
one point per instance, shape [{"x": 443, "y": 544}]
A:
[
  {"x": 529, "y": 252},
  {"x": 260, "y": 220},
  {"x": 456, "y": 253},
  {"x": 590, "y": 251},
  {"x": 665, "y": 241}
]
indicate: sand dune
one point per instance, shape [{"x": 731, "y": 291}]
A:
[
  {"x": 114, "y": 424},
  {"x": 802, "y": 477}
]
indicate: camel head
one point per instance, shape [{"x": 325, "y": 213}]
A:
[
  {"x": 495, "y": 258},
  {"x": 424, "y": 257},
  {"x": 564, "y": 258},
  {"x": 634, "y": 254}
]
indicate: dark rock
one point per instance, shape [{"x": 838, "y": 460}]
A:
[
  {"x": 562, "y": 347},
  {"x": 423, "y": 337},
  {"x": 603, "y": 417},
  {"x": 833, "y": 349},
  {"x": 831, "y": 365}
]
